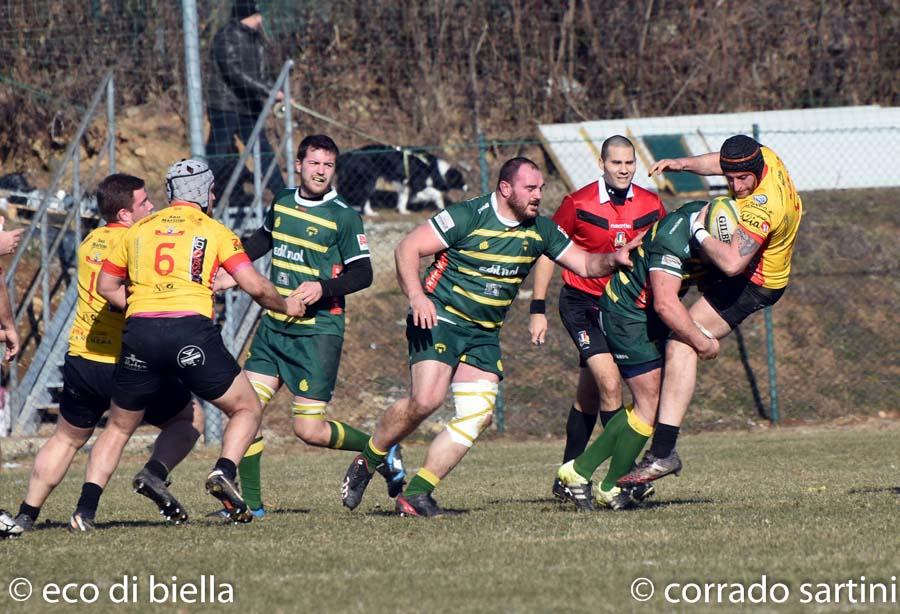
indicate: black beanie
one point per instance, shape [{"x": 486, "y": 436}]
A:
[
  {"x": 243, "y": 8},
  {"x": 740, "y": 153}
]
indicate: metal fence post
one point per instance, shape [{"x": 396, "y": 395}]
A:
[
  {"x": 192, "y": 76},
  {"x": 288, "y": 132},
  {"x": 110, "y": 124},
  {"x": 770, "y": 345},
  {"x": 483, "y": 165}
]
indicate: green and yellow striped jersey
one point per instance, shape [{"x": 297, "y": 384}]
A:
[
  {"x": 312, "y": 240},
  {"x": 476, "y": 278},
  {"x": 667, "y": 247}
]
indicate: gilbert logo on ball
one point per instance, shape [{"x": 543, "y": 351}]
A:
[{"x": 722, "y": 218}]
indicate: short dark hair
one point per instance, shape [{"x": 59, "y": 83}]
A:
[
  {"x": 511, "y": 167},
  {"x": 116, "y": 192},
  {"x": 317, "y": 141},
  {"x": 617, "y": 140}
]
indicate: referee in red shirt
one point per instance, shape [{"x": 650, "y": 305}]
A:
[{"x": 600, "y": 217}]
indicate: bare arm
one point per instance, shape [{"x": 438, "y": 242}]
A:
[
  {"x": 112, "y": 289},
  {"x": 8, "y": 324},
  {"x": 537, "y": 322},
  {"x": 674, "y": 314},
  {"x": 732, "y": 258},
  {"x": 263, "y": 292},
  {"x": 582, "y": 263},
  {"x": 704, "y": 164},
  {"x": 223, "y": 281},
  {"x": 421, "y": 242}
]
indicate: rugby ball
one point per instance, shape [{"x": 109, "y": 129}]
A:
[{"x": 722, "y": 218}]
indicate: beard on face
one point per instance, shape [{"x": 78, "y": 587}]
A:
[{"x": 520, "y": 206}]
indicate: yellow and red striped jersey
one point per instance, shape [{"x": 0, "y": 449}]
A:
[
  {"x": 97, "y": 329},
  {"x": 171, "y": 258},
  {"x": 771, "y": 214}
]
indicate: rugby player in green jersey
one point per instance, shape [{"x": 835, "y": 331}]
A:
[
  {"x": 319, "y": 253},
  {"x": 638, "y": 310},
  {"x": 483, "y": 250}
]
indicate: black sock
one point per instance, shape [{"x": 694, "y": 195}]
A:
[
  {"x": 30, "y": 511},
  {"x": 664, "y": 438},
  {"x": 157, "y": 468},
  {"x": 227, "y": 467},
  {"x": 578, "y": 433},
  {"x": 606, "y": 416},
  {"x": 89, "y": 499}
]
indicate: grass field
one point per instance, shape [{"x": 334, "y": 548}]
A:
[{"x": 802, "y": 505}]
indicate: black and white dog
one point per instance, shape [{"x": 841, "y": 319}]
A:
[{"x": 417, "y": 177}]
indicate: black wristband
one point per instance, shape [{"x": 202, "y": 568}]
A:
[{"x": 538, "y": 306}]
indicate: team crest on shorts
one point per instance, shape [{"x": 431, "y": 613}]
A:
[
  {"x": 191, "y": 356},
  {"x": 440, "y": 348},
  {"x": 492, "y": 289},
  {"x": 584, "y": 339},
  {"x": 304, "y": 385}
]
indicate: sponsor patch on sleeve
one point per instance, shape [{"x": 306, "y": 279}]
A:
[
  {"x": 561, "y": 231},
  {"x": 444, "y": 221},
  {"x": 362, "y": 241},
  {"x": 671, "y": 261}
]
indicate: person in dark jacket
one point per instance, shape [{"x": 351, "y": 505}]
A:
[{"x": 237, "y": 90}]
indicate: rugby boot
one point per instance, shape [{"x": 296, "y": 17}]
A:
[
  {"x": 576, "y": 488},
  {"x": 9, "y": 528},
  {"x": 615, "y": 498},
  {"x": 223, "y": 513},
  {"x": 157, "y": 490},
  {"x": 355, "y": 482},
  {"x": 651, "y": 468},
  {"x": 423, "y": 506},
  {"x": 558, "y": 489},
  {"x": 393, "y": 472},
  {"x": 642, "y": 492},
  {"x": 81, "y": 522},
  {"x": 25, "y": 521},
  {"x": 223, "y": 489}
]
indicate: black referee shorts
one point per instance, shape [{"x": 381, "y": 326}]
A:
[
  {"x": 87, "y": 388},
  {"x": 161, "y": 352},
  {"x": 580, "y": 312}
]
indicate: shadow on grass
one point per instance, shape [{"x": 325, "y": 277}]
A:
[
  {"x": 871, "y": 490},
  {"x": 645, "y": 505},
  {"x": 448, "y": 512},
  {"x": 286, "y": 511}
]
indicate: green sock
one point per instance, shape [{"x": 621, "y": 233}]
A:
[
  {"x": 374, "y": 457},
  {"x": 249, "y": 468},
  {"x": 345, "y": 437},
  {"x": 629, "y": 444},
  {"x": 423, "y": 483},
  {"x": 601, "y": 448}
]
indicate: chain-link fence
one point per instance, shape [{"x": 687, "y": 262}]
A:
[{"x": 466, "y": 84}]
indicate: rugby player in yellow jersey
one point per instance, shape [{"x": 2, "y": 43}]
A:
[
  {"x": 756, "y": 265},
  {"x": 169, "y": 261},
  {"x": 94, "y": 344}
]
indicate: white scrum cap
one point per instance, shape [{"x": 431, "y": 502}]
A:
[{"x": 191, "y": 181}]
